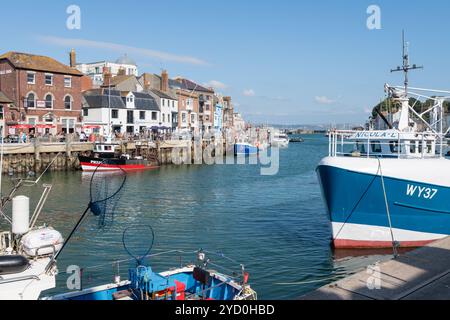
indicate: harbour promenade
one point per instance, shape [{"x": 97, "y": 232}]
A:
[{"x": 422, "y": 274}]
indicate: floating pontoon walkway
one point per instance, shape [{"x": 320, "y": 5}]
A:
[{"x": 422, "y": 274}]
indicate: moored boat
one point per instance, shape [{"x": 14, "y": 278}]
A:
[
  {"x": 390, "y": 188},
  {"x": 245, "y": 148},
  {"x": 107, "y": 157},
  {"x": 192, "y": 282}
]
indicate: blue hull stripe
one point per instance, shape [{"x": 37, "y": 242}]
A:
[{"x": 357, "y": 198}]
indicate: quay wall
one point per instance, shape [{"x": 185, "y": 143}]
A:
[{"x": 35, "y": 157}]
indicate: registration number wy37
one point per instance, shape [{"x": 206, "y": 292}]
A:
[{"x": 421, "y": 192}]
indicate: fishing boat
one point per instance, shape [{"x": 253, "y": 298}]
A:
[
  {"x": 107, "y": 157},
  {"x": 245, "y": 149},
  {"x": 390, "y": 188},
  {"x": 191, "y": 282},
  {"x": 27, "y": 251}
]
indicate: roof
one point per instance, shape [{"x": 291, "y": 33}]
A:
[
  {"x": 163, "y": 94},
  {"x": 4, "y": 98},
  {"x": 97, "y": 100},
  {"x": 38, "y": 63},
  {"x": 190, "y": 85},
  {"x": 119, "y": 79}
]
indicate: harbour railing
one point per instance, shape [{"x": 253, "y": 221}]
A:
[{"x": 387, "y": 144}]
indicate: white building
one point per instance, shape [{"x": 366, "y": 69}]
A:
[
  {"x": 168, "y": 105},
  {"x": 120, "y": 111},
  {"x": 95, "y": 70}
]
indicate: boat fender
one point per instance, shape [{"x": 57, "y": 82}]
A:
[{"x": 13, "y": 264}]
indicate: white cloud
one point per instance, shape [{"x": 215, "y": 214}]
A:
[
  {"x": 149, "y": 53},
  {"x": 324, "y": 100},
  {"x": 249, "y": 93},
  {"x": 216, "y": 85}
]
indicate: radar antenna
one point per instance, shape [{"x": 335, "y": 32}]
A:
[{"x": 406, "y": 66}]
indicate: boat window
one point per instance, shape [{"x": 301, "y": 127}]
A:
[
  {"x": 361, "y": 147},
  {"x": 429, "y": 146},
  {"x": 108, "y": 148},
  {"x": 412, "y": 146},
  {"x": 393, "y": 146},
  {"x": 376, "y": 146}
]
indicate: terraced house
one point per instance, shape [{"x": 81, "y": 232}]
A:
[{"x": 46, "y": 94}]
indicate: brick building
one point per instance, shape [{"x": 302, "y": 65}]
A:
[{"x": 46, "y": 94}]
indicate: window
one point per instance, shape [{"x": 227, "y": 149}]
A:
[
  {"x": 173, "y": 104},
  {"x": 183, "y": 117},
  {"x": 85, "y": 112},
  {"x": 168, "y": 118},
  {"x": 142, "y": 115},
  {"x": 154, "y": 115},
  {"x": 115, "y": 114},
  {"x": 31, "y": 101},
  {"x": 163, "y": 118},
  {"x": 97, "y": 70},
  {"x": 48, "y": 79},
  {"x": 192, "y": 117},
  {"x": 49, "y": 101},
  {"x": 393, "y": 146},
  {"x": 68, "y": 82},
  {"x": 130, "y": 129},
  {"x": 130, "y": 117},
  {"x": 376, "y": 146},
  {"x": 68, "y": 103},
  {"x": 1, "y": 112},
  {"x": 163, "y": 102},
  {"x": 31, "y": 78}
]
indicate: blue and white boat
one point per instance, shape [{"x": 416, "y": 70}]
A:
[
  {"x": 192, "y": 282},
  {"x": 245, "y": 148},
  {"x": 392, "y": 187}
]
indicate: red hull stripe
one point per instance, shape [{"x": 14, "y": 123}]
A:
[
  {"x": 129, "y": 167},
  {"x": 358, "y": 244}
]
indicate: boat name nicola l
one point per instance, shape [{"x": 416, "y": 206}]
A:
[{"x": 375, "y": 134}]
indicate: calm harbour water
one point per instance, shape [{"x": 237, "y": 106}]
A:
[{"x": 276, "y": 225}]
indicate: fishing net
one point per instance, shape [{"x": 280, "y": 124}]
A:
[
  {"x": 138, "y": 242},
  {"x": 105, "y": 191}
]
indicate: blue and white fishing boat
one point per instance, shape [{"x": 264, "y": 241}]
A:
[
  {"x": 192, "y": 282},
  {"x": 245, "y": 148},
  {"x": 390, "y": 188}
]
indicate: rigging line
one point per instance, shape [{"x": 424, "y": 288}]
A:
[
  {"x": 357, "y": 204},
  {"x": 394, "y": 243}
]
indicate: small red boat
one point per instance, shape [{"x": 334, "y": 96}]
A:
[{"x": 105, "y": 158}]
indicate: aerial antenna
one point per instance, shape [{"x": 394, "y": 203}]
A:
[{"x": 406, "y": 66}]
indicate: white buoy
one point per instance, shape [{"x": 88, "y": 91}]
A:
[{"x": 20, "y": 215}]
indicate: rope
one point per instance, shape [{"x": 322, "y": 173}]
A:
[{"x": 394, "y": 243}]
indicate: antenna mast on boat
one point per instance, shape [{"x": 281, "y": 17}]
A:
[{"x": 406, "y": 66}]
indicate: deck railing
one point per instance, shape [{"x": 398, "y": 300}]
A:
[{"x": 392, "y": 144}]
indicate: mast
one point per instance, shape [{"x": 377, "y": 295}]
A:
[
  {"x": 404, "y": 116},
  {"x": 406, "y": 66}
]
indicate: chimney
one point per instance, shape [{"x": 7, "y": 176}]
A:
[
  {"x": 73, "y": 59},
  {"x": 146, "y": 85},
  {"x": 164, "y": 81},
  {"x": 106, "y": 76}
]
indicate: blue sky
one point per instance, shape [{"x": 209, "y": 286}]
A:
[{"x": 285, "y": 62}]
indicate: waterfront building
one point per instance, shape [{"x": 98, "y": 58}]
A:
[
  {"x": 228, "y": 113},
  {"x": 5, "y": 105},
  {"x": 46, "y": 94},
  {"x": 238, "y": 122},
  {"x": 167, "y": 99},
  {"x": 123, "y": 112},
  {"x": 205, "y": 103},
  {"x": 218, "y": 113},
  {"x": 188, "y": 107},
  {"x": 95, "y": 70}
]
